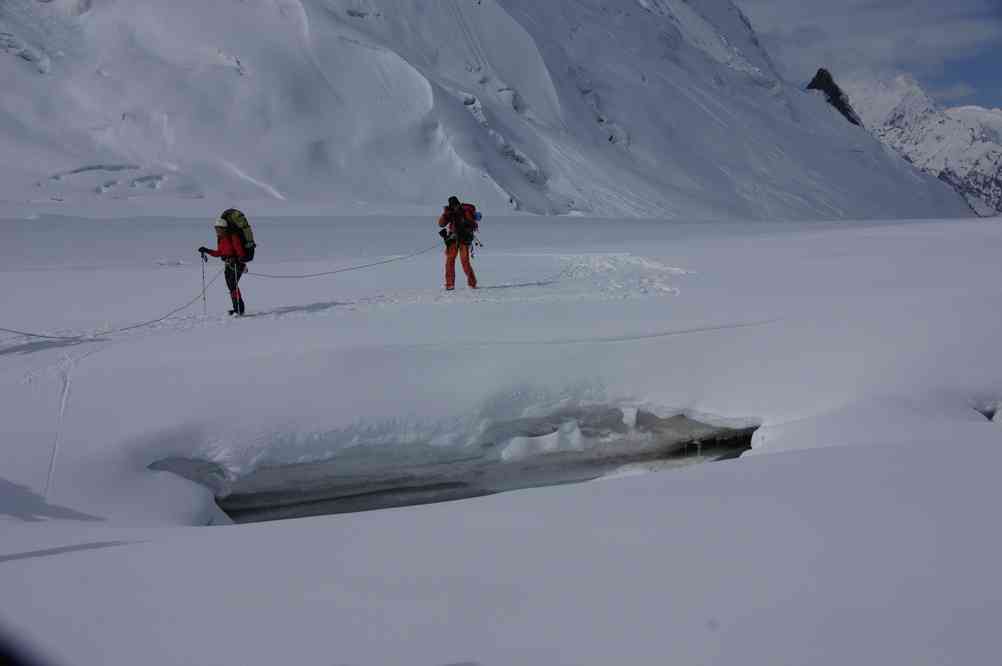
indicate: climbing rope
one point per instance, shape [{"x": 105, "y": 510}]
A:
[
  {"x": 123, "y": 329},
  {"x": 201, "y": 295},
  {"x": 39, "y": 335},
  {"x": 173, "y": 312},
  {"x": 344, "y": 270},
  {"x": 205, "y": 287}
]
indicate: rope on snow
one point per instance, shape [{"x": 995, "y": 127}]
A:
[
  {"x": 201, "y": 294},
  {"x": 346, "y": 269},
  {"x": 123, "y": 329}
]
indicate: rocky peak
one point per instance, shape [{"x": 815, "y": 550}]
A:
[{"x": 825, "y": 82}]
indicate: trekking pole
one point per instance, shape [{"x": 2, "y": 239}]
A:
[{"x": 205, "y": 306}]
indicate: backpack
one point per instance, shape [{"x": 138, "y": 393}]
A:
[
  {"x": 467, "y": 225},
  {"x": 472, "y": 214},
  {"x": 237, "y": 222}
]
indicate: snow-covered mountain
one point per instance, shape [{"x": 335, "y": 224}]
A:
[
  {"x": 962, "y": 146},
  {"x": 660, "y": 108}
]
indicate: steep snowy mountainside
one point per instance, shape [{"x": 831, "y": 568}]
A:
[
  {"x": 661, "y": 108},
  {"x": 962, "y": 146}
]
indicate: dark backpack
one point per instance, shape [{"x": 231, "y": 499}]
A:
[
  {"x": 466, "y": 223},
  {"x": 237, "y": 222}
]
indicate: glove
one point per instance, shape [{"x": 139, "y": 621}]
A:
[{"x": 203, "y": 250}]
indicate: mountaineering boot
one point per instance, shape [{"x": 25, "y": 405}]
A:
[{"x": 237, "y": 297}]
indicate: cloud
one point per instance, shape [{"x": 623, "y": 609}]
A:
[{"x": 874, "y": 35}]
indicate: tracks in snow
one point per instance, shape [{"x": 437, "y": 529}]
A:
[
  {"x": 474, "y": 44},
  {"x": 64, "y": 398},
  {"x": 67, "y": 367}
]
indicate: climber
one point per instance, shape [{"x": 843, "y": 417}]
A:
[
  {"x": 235, "y": 246},
  {"x": 458, "y": 226}
]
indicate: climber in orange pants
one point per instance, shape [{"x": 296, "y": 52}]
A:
[
  {"x": 458, "y": 224},
  {"x": 463, "y": 250}
]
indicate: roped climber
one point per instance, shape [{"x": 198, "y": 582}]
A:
[
  {"x": 458, "y": 227},
  {"x": 231, "y": 248}
]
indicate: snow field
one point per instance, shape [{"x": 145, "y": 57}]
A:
[
  {"x": 873, "y": 340},
  {"x": 687, "y": 325},
  {"x": 775, "y": 558}
]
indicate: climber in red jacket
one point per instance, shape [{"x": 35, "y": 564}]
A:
[
  {"x": 458, "y": 224},
  {"x": 230, "y": 248}
]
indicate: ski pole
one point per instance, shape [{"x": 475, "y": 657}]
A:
[{"x": 205, "y": 306}]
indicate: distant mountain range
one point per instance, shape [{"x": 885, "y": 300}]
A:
[{"x": 961, "y": 146}]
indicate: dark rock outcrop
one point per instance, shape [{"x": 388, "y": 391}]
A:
[{"x": 825, "y": 82}]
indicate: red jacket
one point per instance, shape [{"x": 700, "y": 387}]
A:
[{"x": 230, "y": 246}]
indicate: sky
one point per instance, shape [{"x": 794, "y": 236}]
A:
[{"x": 953, "y": 47}]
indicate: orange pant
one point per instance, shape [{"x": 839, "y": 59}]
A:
[{"x": 463, "y": 251}]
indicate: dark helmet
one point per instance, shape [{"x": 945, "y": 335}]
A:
[{"x": 453, "y": 202}]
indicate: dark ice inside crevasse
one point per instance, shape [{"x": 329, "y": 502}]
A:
[{"x": 344, "y": 484}]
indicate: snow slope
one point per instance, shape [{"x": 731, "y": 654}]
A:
[
  {"x": 962, "y": 146},
  {"x": 657, "y": 108},
  {"x": 866, "y": 351},
  {"x": 884, "y": 555}
]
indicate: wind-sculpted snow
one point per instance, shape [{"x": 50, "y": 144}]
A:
[{"x": 660, "y": 108}]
